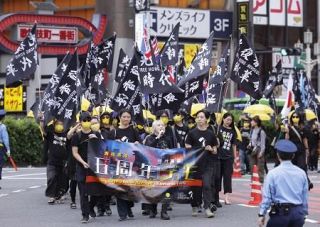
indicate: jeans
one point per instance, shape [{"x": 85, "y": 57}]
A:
[{"x": 244, "y": 161}]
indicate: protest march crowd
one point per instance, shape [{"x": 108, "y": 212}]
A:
[{"x": 155, "y": 105}]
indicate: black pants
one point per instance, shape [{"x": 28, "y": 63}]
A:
[
  {"x": 313, "y": 159},
  {"x": 226, "y": 174},
  {"x": 123, "y": 207},
  {"x": 153, "y": 207},
  {"x": 73, "y": 190},
  {"x": 208, "y": 184},
  {"x": 54, "y": 181},
  {"x": 2, "y": 153},
  {"x": 103, "y": 203},
  {"x": 84, "y": 199}
]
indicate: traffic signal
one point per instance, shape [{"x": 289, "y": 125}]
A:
[{"x": 290, "y": 51}]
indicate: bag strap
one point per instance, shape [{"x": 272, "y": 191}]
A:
[{"x": 297, "y": 133}]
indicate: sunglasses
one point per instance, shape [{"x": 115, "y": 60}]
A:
[
  {"x": 295, "y": 117},
  {"x": 86, "y": 120},
  {"x": 105, "y": 117}
]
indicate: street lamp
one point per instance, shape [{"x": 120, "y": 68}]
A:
[{"x": 308, "y": 63}]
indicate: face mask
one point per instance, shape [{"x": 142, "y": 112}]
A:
[
  {"x": 177, "y": 118},
  {"x": 148, "y": 130},
  {"x": 95, "y": 127},
  {"x": 295, "y": 120},
  {"x": 191, "y": 125},
  {"x": 86, "y": 125},
  {"x": 164, "y": 120},
  {"x": 106, "y": 121},
  {"x": 282, "y": 128},
  {"x": 246, "y": 125},
  {"x": 58, "y": 128},
  {"x": 139, "y": 127}
]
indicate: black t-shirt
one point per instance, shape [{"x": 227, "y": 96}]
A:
[
  {"x": 80, "y": 140},
  {"x": 105, "y": 133},
  {"x": 170, "y": 133},
  {"x": 129, "y": 135},
  {"x": 56, "y": 147},
  {"x": 182, "y": 133},
  {"x": 199, "y": 139},
  {"x": 227, "y": 138},
  {"x": 297, "y": 140},
  {"x": 245, "y": 134},
  {"x": 162, "y": 143}
]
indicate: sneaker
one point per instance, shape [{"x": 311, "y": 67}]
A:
[
  {"x": 209, "y": 213},
  {"x": 122, "y": 218},
  {"x": 152, "y": 214},
  {"x": 100, "y": 213},
  {"x": 51, "y": 201},
  {"x": 218, "y": 204},
  {"x": 85, "y": 220},
  {"x": 194, "y": 211},
  {"x": 199, "y": 209},
  {"x": 108, "y": 211},
  {"x": 145, "y": 212},
  {"x": 92, "y": 214},
  {"x": 73, "y": 206},
  {"x": 213, "y": 207},
  {"x": 165, "y": 216}
]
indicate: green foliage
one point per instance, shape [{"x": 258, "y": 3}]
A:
[{"x": 25, "y": 140}]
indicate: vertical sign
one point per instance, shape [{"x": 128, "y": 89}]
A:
[
  {"x": 13, "y": 99},
  {"x": 260, "y": 12},
  {"x": 243, "y": 17}
]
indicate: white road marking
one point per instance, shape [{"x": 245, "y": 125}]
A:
[
  {"x": 312, "y": 221},
  {"x": 17, "y": 191},
  {"x": 3, "y": 195},
  {"x": 24, "y": 175},
  {"x": 27, "y": 178},
  {"x": 245, "y": 205},
  {"x": 35, "y": 186}
]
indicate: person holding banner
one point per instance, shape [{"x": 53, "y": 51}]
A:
[
  {"x": 203, "y": 138},
  {"x": 179, "y": 127},
  {"x": 158, "y": 139},
  {"x": 227, "y": 153},
  {"x": 163, "y": 116},
  {"x": 125, "y": 133},
  {"x": 79, "y": 145},
  {"x": 4, "y": 142}
]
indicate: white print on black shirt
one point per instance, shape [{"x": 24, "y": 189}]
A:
[
  {"x": 124, "y": 139},
  {"x": 203, "y": 141},
  {"x": 59, "y": 140},
  {"x": 227, "y": 136}
]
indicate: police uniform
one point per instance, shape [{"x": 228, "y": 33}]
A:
[
  {"x": 285, "y": 190},
  {"x": 4, "y": 142}
]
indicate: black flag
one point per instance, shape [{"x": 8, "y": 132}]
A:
[
  {"x": 170, "y": 51},
  {"x": 66, "y": 97},
  {"x": 216, "y": 84},
  {"x": 128, "y": 89},
  {"x": 245, "y": 70},
  {"x": 152, "y": 79},
  {"x": 48, "y": 100},
  {"x": 105, "y": 53},
  {"x": 24, "y": 62},
  {"x": 201, "y": 64},
  {"x": 123, "y": 64}
]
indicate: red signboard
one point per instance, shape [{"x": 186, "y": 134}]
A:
[{"x": 50, "y": 34}]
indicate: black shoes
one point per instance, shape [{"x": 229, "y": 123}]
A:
[
  {"x": 122, "y": 218},
  {"x": 165, "y": 216},
  {"x": 145, "y": 212},
  {"x": 108, "y": 211},
  {"x": 213, "y": 207},
  {"x": 218, "y": 204},
  {"x": 130, "y": 214},
  {"x": 152, "y": 214},
  {"x": 92, "y": 213},
  {"x": 85, "y": 219}
]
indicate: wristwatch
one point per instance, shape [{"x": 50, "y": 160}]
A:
[{"x": 260, "y": 215}]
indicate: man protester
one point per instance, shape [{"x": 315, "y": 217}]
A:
[
  {"x": 285, "y": 190},
  {"x": 202, "y": 137},
  {"x": 79, "y": 145}
]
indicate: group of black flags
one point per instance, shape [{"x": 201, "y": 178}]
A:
[{"x": 152, "y": 80}]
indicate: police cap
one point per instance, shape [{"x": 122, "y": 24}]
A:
[{"x": 285, "y": 146}]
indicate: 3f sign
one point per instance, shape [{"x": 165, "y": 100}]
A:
[{"x": 221, "y": 25}]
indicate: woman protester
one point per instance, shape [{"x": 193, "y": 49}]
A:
[
  {"x": 227, "y": 152},
  {"x": 158, "y": 139},
  {"x": 125, "y": 133},
  {"x": 297, "y": 133},
  {"x": 257, "y": 146},
  {"x": 208, "y": 166}
]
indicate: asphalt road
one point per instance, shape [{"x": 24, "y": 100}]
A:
[{"x": 22, "y": 203}]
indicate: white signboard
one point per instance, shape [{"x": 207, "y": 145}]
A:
[
  {"x": 139, "y": 20},
  {"x": 287, "y": 61},
  {"x": 260, "y": 12},
  {"x": 193, "y": 23},
  {"x": 278, "y": 12}
]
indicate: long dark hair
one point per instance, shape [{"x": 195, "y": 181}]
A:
[
  {"x": 300, "y": 115},
  {"x": 228, "y": 115}
]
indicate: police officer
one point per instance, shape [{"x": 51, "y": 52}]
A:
[
  {"x": 4, "y": 142},
  {"x": 285, "y": 190}
]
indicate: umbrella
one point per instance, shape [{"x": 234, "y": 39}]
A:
[
  {"x": 309, "y": 114},
  {"x": 258, "y": 108},
  {"x": 196, "y": 107}
]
